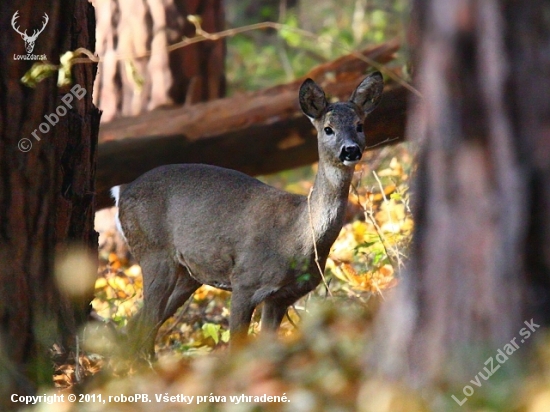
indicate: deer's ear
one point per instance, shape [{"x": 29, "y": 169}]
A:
[
  {"x": 312, "y": 99},
  {"x": 368, "y": 93}
]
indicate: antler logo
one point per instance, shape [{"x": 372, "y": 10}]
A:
[{"x": 29, "y": 40}]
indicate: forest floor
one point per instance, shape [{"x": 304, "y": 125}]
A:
[
  {"x": 320, "y": 362},
  {"x": 322, "y": 339}
]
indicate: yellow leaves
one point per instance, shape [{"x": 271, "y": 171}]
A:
[
  {"x": 394, "y": 169},
  {"x": 359, "y": 255},
  {"x": 114, "y": 262},
  {"x": 201, "y": 293},
  {"x": 117, "y": 293},
  {"x": 371, "y": 281},
  {"x": 390, "y": 212},
  {"x": 359, "y": 230},
  {"x": 372, "y": 248},
  {"x": 135, "y": 272},
  {"x": 368, "y": 196},
  {"x": 100, "y": 283},
  {"x": 206, "y": 292},
  {"x": 288, "y": 325},
  {"x": 343, "y": 248}
]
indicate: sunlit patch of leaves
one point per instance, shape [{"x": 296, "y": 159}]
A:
[
  {"x": 370, "y": 250},
  {"x": 118, "y": 292},
  {"x": 199, "y": 326}
]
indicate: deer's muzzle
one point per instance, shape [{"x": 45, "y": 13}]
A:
[{"x": 350, "y": 154}]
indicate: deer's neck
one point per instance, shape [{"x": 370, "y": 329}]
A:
[{"x": 327, "y": 205}]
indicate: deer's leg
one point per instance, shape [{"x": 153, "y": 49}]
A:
[
  {"x": 185, "y": 287},
  {"x": 159, "y": 281},
  {"x": 273, "y": 313},
  {"x": 242, "y": 307},
  {"x": 276, "y": 305}
]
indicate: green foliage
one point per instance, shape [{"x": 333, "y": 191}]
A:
[
  {"x": 38, "y": 72},
  {"x": 262, "y": 59},
  {"x": 42, "y": 70},
  {"x": 292, "y": 38},
  {"x": 212, "y": 330}
]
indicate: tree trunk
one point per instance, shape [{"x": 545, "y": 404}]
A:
[
  {"x": 480, "y": 261},
  {"x": 46, "y": 190},
  {"x": 138, "y": 73}
]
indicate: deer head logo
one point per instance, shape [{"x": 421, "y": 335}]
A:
[{"x": 29, "y": 40}]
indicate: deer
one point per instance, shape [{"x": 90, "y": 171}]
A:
[
  {"x": 29, "y": 40},
  {"x": 194, "y": 224}
]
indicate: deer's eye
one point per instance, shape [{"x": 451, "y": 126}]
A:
[
  {"x": 329, "y": 131},
  {"x": 359, "y": 128}
]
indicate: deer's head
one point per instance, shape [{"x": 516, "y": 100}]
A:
[
  {"x": 340, "y": 125},
  {"x": 29, "y": 40}
]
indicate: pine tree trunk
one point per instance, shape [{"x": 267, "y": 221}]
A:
[
  {"x": 138, "y": 73},
  {"x": 480, "y": 262},
  {"x": 46, "y": 190}
]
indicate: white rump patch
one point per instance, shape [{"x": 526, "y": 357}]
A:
[{"x": 115, "y": 193}]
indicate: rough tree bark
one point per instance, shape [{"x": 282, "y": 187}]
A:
[
  {"x": 152, "y": 76},
  {"x": 480, "y": 262},
  {"x": 46, "y": 193}
]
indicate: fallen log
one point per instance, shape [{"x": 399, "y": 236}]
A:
[{"x": 257, "y": 133}]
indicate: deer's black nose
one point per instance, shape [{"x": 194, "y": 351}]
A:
[{"x": 350, "y": 153}]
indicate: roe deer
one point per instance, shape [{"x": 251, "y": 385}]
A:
[{"x": 192, "y": 224}]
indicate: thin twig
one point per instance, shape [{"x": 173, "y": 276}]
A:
[
  {"x": 77, "y": 368},
  {"x": 402, "y": 195},
  {"x": 379, "y": 229},
  {"x": 290, "y": 319},
  {"x": 370, "y": 216},
  {"x": 389, "y": 139},
  {"x": 202, "y": 35},
  {"x": 304, "y": 33},
  {"x": 383, "y": 195}
]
